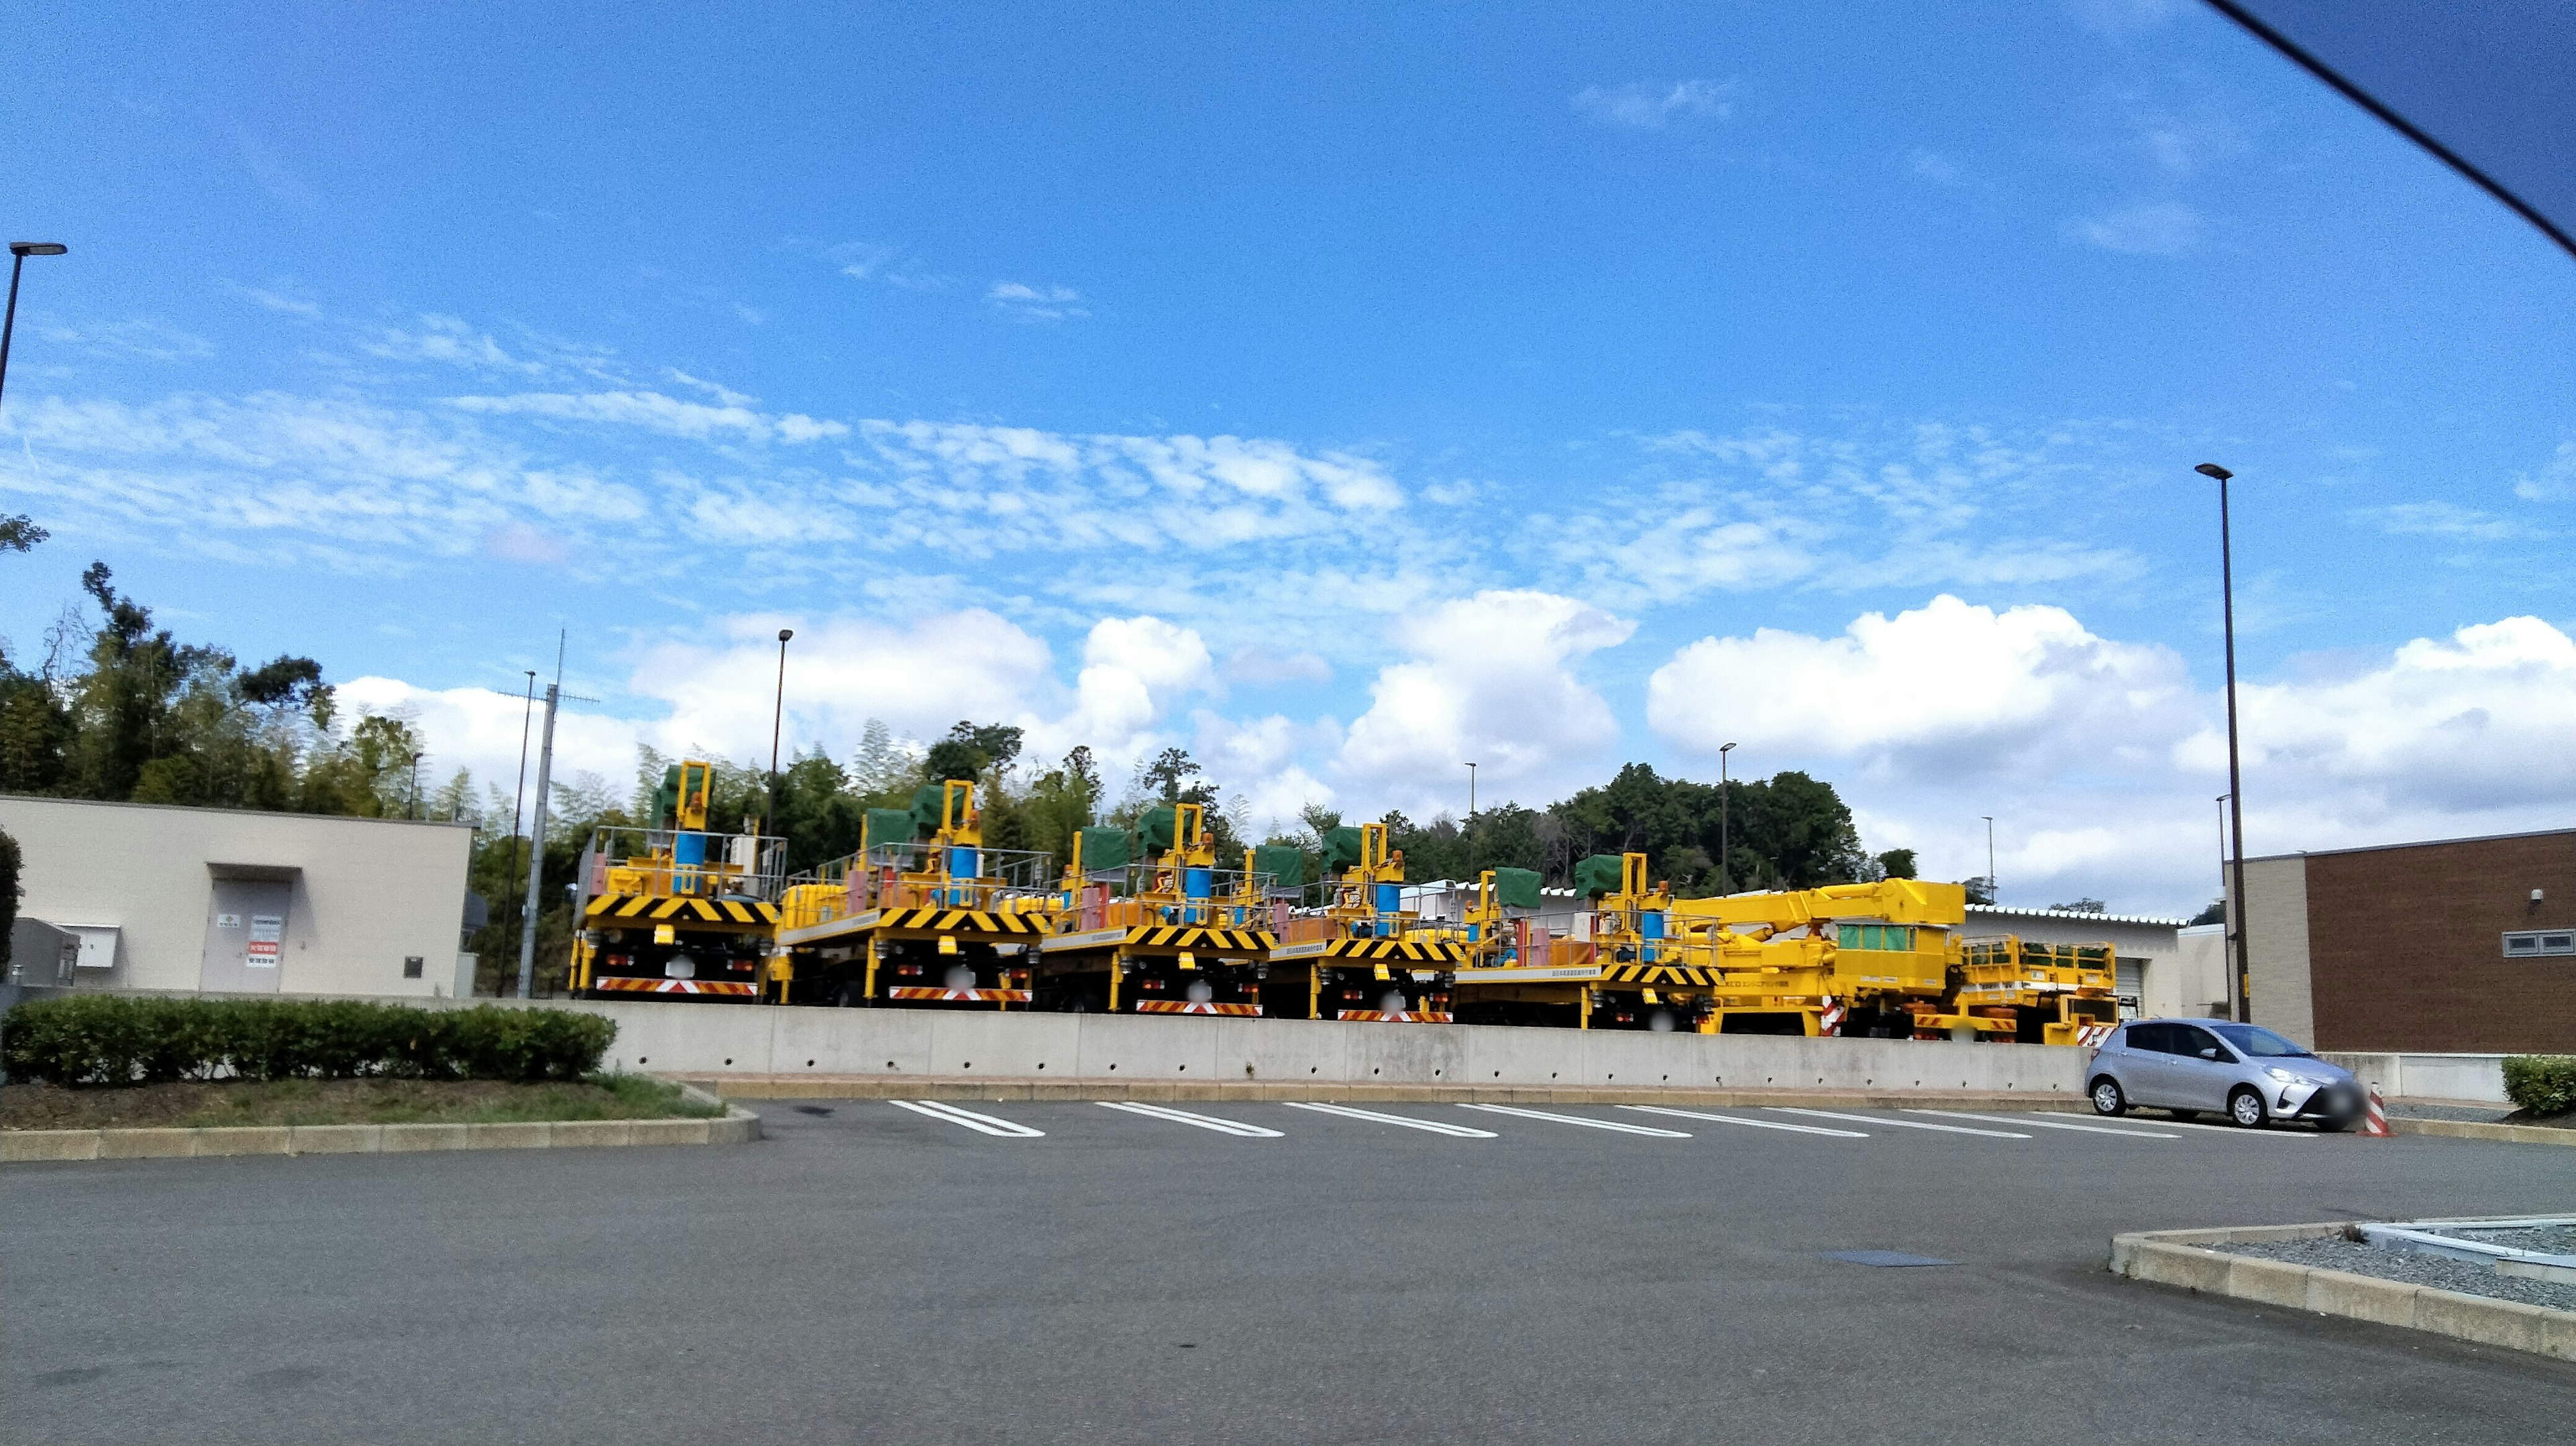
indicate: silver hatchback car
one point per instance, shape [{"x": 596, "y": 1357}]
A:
[{"x": 2245, "y": 1072}]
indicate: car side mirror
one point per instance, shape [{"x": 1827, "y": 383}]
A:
[{"x": 2209, "y": 1054}]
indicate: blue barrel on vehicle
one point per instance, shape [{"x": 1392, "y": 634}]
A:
[
  {"x": 1650, "y": 927},
  {"x": 689, "y": 849},
  {"x": 1195, "y": 883},
  {"x": 1390, "y": 898}
]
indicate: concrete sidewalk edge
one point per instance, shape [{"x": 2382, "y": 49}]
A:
[
  {"x": 739, "y": 1126},
  {"x": 2473, "y": 1130},
  {"x": 2183, "y": 1258}
]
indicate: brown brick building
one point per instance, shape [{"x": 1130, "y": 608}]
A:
[{"x": 2467, "y": 945}]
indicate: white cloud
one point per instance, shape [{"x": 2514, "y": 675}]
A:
[
  {"x": 1133, "y": 670},
  {"x": 2161, "y": 228},
  {"x": 1947, "y": 688},
  {"x": 1651, "y": 105},
  {"x": 480, "y": 729},
  {"x": 2099, "y": 758},
  {"x": 1022, "y": 302},
  {"x": 658, "y": 412},
  {"x": 135, "y": 339},
  {"x": 450, "y": 340},
  {"x": 2440, "y": 519},
  {"x": 2555, "y": 482},
  {"x": 1490, "y": 682}
]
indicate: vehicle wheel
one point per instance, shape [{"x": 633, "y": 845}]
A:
[
  {"x": 2245, "y": 1107},
  {"x": 847, "y": 995},
  {"x": 2186, "y": 1116},
  {"x": 2108, "y": 1099}
]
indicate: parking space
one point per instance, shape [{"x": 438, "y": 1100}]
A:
[{"x": 1240, "y": 1273}]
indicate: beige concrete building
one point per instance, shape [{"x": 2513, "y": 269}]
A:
[
  {"x": 228, "y": 902},
  {"x": 2164, "y": 966}
]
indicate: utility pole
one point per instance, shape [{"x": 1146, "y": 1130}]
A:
[
  {"x": 1723, "y": 789},
  {"x": 518, "y": 803},
  {"x": 537, "y": 851},
  {"x": 2235, "y": 779}
]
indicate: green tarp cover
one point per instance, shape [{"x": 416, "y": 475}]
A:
[
  {"x": 1341, "y": 850},
  {"x": 1597, "y": 875},
  {"x": 1516, "y": 888},
  {"x": 666, "y": 799},
  {"x": 926, "y": 803},
  {"x": 1285, "y": 864},
  {"x": 890, "y": 826},
  {"x": 1154, "y": 830},
  {"x": 1106, "y": 848}
]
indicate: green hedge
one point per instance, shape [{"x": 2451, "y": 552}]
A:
[
  {"x": 2544, "y": 1084},
  {"x": 131, "y": 1039}
]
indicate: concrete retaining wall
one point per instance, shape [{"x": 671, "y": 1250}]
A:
[
  {"x": 2471, "y": 1077},
  {"x": 703, "y": 1039}
]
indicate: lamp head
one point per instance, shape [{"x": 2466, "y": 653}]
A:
[
  {"x": 2212, "y": 469},
  {"x": 785, "y": 633},
  {"x": 37, "y": 248},
  {"x": 1726, "y": 748}
]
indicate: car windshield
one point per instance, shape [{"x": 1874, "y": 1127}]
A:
[{"x": 2258, "y": 1042}]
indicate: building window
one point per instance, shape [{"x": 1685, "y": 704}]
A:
[{"x": 2540, "y": 943}]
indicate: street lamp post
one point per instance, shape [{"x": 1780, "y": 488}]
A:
[
  {"x": 1723, "y": 887},
  {"x": 415, "y": 786},
  {"x": 19, "y": 251},
  {"x": 1990, "y": 858},
  {"x": 1471, "y": 793},
  {"x": 777, "y": 720},
  {"x": 2226, "y": 910},
  {"x": 2235, "y": 779}
]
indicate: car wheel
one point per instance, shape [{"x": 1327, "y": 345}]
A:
[
  {"x": 2245, "y": 1107},
  {"x": 2108, "y": 1098}
]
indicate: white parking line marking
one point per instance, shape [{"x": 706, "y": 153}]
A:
[
  {"x": 2050, "y": 1124},
  {"x": 982, "y": 1124},
  {"x": 1900, "y": 1124},
  {"x": 2239, "y": 1131},
  {"x": 1434, "y": 1126},
  {"x": 1757, "y": 1124},
  {"x": 1621, "y": 1127},
  {"x": 1184, "y": 1117}
]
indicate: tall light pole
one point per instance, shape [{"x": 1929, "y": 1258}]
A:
[
  {"x": 1991, "y": 899},
  {"x": 415, "y": 786},
  {"x": 1471, "y": 793},
  {"x": 2226, "y": 910},
  {"x": 777, "y": 720},
  {"x": 1723, "y": 886},
  {"x": 19, "y": 251},
  {"x": 2235, "y": 778}
]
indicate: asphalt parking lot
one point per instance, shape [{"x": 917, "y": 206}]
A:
[{"x": 1075, "y": 1272}]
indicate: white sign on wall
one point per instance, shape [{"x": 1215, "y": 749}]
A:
[
  {"x": 266, "y": 932},
  {"x": 228, "y": 921}
]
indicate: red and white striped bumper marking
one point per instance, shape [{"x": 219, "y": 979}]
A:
[
  {"x": 1394, "y": 1016},
  {"x": 674, "y": 986},
  {"x": 2091, "y": 1034},
  {"x": 1183, "y": 1006},
  {"x": 961, "y": 996},
  {"x": 1831, "y": 1020}
]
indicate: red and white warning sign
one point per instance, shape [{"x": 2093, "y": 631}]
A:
[{"x": 267, "y": 933}]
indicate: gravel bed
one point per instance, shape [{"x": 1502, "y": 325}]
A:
[
  {"x": 2472, "y": 1114},
  {"x": 2333, "y": 1252}
]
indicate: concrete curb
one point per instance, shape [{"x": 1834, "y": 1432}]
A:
[
  {"x": 739, "y": 1126},
  {"x": 956, "y": 1087},
  {"x": 2473, "y": 1130},
  {"x": 2182, "y": 1257}
]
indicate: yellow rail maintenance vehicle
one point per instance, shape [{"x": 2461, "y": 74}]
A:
[
  {"x": 1363, "y": 955},
  {"x": 1850, "y": 959},
  {"x": 922, "y": 916},
  {"x": 2029, "y": 992},
  {"x": 1173, "y": 934},
  {"x": 1614, "y": 966},
  {"x": 675, "y": 911}
]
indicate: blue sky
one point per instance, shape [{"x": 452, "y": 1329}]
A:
[{"x": 1344, "y": 393}]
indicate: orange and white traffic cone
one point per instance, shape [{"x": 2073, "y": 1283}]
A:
[{"x": 2374, "y": 1118}]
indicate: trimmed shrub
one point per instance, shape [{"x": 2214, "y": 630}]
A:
[
  {"x": 111, "y": 1039},
  {"x": 2543, "y": 1084}
]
